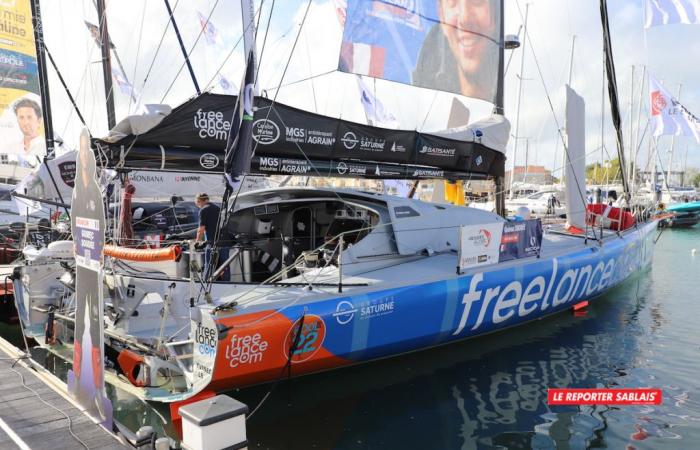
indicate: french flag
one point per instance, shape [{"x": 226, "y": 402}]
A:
[{"x": 362, "y": 59}]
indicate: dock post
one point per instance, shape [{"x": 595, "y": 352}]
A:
[{"x": 214, "y": 423}]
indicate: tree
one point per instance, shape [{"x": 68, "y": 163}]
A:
[
  {"x": 607, "y": 173},
  {"x": 696, "y": 180}
]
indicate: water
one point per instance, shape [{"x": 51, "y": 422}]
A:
[{"x": 491, "y": 393}]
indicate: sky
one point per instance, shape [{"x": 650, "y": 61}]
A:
[{"x": 154, "y": 64}]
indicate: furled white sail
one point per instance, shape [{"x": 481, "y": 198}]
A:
[{"x": 575, "y": 194}]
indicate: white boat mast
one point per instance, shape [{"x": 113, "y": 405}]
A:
[{"x": 520, "y": 95}]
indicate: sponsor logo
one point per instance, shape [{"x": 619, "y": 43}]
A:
[
  {"x": 143, "y": 178},
  {"x": 293, "y": 166},
  {"x": 349, "y": 140},
  {"x": 248, "y": 349},
  {"x": 185, "y": 179},
  {"x": 211, "y": 125},
  {"x": 482, "y": 238},
  {"x": 209, "y": 160},
  {"x": 67, "y": 171},
  {"x": 398, "y": 148},
  {"x": 344, "y": 312},
  {"x": 479, "y": 160},
  {"x": 307, "y": 136},
  {"x": 658, "y": 103},
  {"x": 509, "y": 299},
  {"x": 352, "y": 169},
  {"x": 265, "y": 132},
  {"x": 318, "y": 137},
  {"x": 437, "y": 151},
  {"x": 306, "y": 340},
  {"x": 429, "y": 173},
  {"x": 205, "y": 340}
]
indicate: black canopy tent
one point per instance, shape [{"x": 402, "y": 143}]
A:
[{"x": 192, "y": 138}]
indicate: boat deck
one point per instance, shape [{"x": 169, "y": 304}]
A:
[
  {"x": 422, "y": 270},
  {"x": 36, "y": 414}
]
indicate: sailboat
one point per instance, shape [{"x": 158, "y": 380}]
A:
[{"x": 323, "y": 278}]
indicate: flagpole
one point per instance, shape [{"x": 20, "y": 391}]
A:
[{"x": 673, "y": 143}]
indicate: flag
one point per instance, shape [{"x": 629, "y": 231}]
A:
[
  {"x": 238, "y": 145},
  {"x": 666, "y": 12},
  {"x": 124, "y": 86},
  {"x": 374, "y": 109},
  {"x": 668, "y": 116},
  {"x": 227, "y": 86},
  {"x": 95, "y": 33},
  {"x": 208, "y": 29}
]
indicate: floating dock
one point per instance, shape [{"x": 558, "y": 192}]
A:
[{"x": 36, "y": 412}]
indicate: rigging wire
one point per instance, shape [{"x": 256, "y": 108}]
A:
[
  {"x": 551, "y": 107},
  {"x": 160, "y": 43},
  {"x": 138, "y": 52},
  {"x": 189, "y": 53}
]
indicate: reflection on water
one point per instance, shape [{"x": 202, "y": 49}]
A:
[{"x": 491, "y": 393}]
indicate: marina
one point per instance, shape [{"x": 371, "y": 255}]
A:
[{"x": 345, "y": 250}]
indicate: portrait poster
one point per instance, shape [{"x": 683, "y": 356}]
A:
[
  {"x": 446, "y": 45},
  {"x": 86, "y": 381},
  {"x": 21, "y": 118}
]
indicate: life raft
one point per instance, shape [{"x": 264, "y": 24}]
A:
[
  {"x": 144, "y": 254},
  {"x": 611, "y": 217}
]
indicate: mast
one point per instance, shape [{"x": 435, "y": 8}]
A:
[
  {"x": 106, "y": 63},
  {"x": 498, "y": 109},
  {"x": 631, "y": 140},
  {"x": 602, "y": 130},
  {"x": 182, "y": 47},
  {"x": 520, "y": 95},
  {"x": 43, "y": 79},
  {"x": 612, "y": 91}
]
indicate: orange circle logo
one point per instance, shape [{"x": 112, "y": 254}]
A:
[{"x": 305, "y": 345}]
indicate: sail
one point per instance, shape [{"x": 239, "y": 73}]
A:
[
  {"x": 287, "y": 140},
  {"x": 575, "y": 160},
  {"x": 448, "y": 46},
  {"x": 21, "y": 111}
]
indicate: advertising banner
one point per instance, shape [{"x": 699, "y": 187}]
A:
[
  {"x": 193, "y": 138},
  {"x": 21, "y": 120},
  {"x": 479, "y": 244},
  {"x": 521, "y": 239},
  {"x": 86, "y": 380},
  {"x": 446, "y": 45}
]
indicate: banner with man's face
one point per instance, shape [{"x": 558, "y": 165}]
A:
[
  {"x": 446, "y": 45},
  {"x": 21, "y": 120}
]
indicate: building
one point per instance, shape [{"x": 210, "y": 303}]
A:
[{"x": 530, "y": 174}]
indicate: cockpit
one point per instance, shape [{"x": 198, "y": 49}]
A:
[{"x": 273, "y": 235}]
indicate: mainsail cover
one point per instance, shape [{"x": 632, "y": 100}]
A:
[{"x": 287, "y": 140}]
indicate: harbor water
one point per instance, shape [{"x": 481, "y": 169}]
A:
[{"x": 491, "y": 392}]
